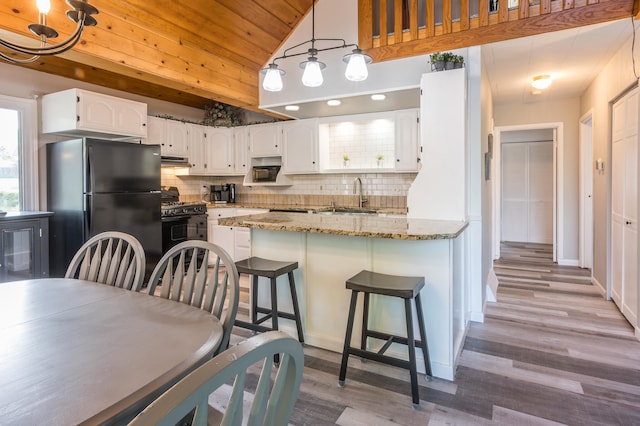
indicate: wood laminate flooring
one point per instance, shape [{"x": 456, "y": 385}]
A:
[{"x": 551, "y": 351}]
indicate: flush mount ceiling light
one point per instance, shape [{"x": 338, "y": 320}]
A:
[
  {"x": 378, "y": 97},
  {"x": 81, "y": 15},
  {"x": 541, "y": 82},
  {"x": 333, "y": 102},
  {"x": 292, "y": 107},
  {"x": 312, "y": 76}
]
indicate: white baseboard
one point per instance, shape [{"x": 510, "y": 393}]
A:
[
  {"x": 599, "y": 286},
  {"x": 492, "y": 286},
  {"x": 569, "y": 262},
  {"x": 476, "y": 316}
]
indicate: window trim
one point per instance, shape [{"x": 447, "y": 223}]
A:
[{"x": 29, "y": 180}]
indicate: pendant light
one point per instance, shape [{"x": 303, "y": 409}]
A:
[
  {"x": 81, "y": 15},
  {"x": 356, "y": 61}
]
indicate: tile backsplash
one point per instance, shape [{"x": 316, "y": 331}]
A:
[{"x": 383, "y": 190}]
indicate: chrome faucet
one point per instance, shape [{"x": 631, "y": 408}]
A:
[{"x": 361, "y": 200}]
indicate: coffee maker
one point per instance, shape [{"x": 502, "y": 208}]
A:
[{"x": 225, "y": 193}]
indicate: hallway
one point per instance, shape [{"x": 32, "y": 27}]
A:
[{"x": 551, "y": 351}]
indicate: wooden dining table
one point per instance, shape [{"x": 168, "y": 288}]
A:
[{"x": 74, "y": 352}]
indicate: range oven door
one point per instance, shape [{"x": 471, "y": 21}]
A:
[{"x": 174, "y": 231}]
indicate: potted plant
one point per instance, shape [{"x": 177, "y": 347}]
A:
[
  {"x": 345, "y": 160},
  {"x": 437, "y": 61},
  {"x": 448, "y": 58},
  {"x": 458, "y": 61},
  {"x": 380, "y": 159}
]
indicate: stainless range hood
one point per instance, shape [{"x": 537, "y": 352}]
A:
[{"x": 173, "y": 161}]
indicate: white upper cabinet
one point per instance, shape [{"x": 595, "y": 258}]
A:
[
  {"x": 77, "y": 112},
  {"x": 172, "y": 136},
  {"x": 219, "y": 151},
  {"x": 300, "y": 144},
  {"x": 241, "y": 150},
  {"x": 196, "y": 149},
  {"x": 407, "y": 146},
  {"x": 265, "y": 140}
]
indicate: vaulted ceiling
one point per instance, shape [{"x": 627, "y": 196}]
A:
[{"x": 191, "y": 52}]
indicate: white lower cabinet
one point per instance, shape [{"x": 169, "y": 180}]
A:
[{"x": 234, "y": 240}]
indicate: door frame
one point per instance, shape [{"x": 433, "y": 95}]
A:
[
  {"x": 558, "y": 183},
  {"x": 585, "y": 246}
]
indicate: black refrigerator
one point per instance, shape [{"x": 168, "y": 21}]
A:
[{"x": 95, "y": 186}]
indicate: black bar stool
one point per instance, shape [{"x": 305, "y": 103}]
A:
[
  {"x": 272, "y": 269},
  {"x": 407, "y": 288}
]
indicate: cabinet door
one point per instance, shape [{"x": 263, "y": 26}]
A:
[
  {"x": 223, "y": 236},
  {"x": 155, "y": 131},
  {"x": 264, "y": 140},
  {"x": 20, "y": 250},
  {"x": 242, "y": 249},
  {"x": 197, "y": 150},
  {"x": 407, "y": 141},
  {"x": 300, "y": 144},
  {"x": 176, "y": 138},
  {"x": 107, "y": 113},
  {"x": 241, "y": 150},
  {"x": 219, "y": 151}
]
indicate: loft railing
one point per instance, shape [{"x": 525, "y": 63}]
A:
[{"x": 392, "y": 22}]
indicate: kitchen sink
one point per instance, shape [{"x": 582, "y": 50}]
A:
[{"x": 347, "y": 211}]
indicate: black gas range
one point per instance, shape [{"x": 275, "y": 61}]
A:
[{"x": 181, "y": 221}]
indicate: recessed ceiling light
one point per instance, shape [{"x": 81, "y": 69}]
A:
[
  {"x": 541, "y": 81},
  {"x": 378, "y": 97},
  {"x": 292, "y": 107},
  {"x": 333, "y": 102}
]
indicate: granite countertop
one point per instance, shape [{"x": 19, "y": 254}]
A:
[
  {"x": 291, "y": 208},
  {"x": 375, "y": 226},
  {"x": 9, "y": 216}
]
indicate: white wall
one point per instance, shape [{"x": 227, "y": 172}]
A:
[
  {"x": 486, "y": 188},
  {"x": 566, "y": 111},
  {"x": 613, "y": 81},
  {"x": 476, "y": 146},
  {"x": 337, "y": 19}
]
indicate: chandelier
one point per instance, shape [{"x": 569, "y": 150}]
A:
[
  {"x": 81, "y": 15},
  {"x": 312, "y": 76}
]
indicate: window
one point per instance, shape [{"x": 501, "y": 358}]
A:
[{"x": 18, "y": 154}]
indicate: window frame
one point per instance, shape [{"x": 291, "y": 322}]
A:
[{"x": 29, "y": 176}]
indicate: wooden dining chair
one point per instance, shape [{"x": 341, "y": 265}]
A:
[
  {"x": 272, "y": 402},
  {"x": 112, "y": 258},
  {"x": 184, "y": 275}
]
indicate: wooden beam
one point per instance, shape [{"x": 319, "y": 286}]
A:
[{"x": 571, "y": 18}]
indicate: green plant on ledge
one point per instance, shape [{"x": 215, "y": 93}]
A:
[{"x": 223, "y": 115}]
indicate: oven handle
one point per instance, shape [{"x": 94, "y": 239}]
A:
[{"x": 175, "y": 218}]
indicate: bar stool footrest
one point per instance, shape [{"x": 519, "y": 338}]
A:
[
  {"x": 396, "y": 338},
  {"x": 251, "y": 326},
  {"x": 396, "y": 362}
]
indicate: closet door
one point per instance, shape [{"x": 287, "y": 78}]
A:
[
  {"x": 624, "y": 206},
  {"x": 527, "y": 192}
]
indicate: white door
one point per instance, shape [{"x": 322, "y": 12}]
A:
[
  {"x": 527, "y": 192},
  {"x": 624, "y": 206}
]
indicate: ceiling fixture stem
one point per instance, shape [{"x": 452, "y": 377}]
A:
[
  {"x": 356, "y": 61},
  {"x": 81, "y": 14}
]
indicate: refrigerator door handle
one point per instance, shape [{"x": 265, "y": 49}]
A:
[
  {"x": 88, "y": 215},
  {"x": 90, "y": 173}
]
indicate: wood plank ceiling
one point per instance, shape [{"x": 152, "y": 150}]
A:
[
  {"x": 195, "y": 51},
  {"x": 183, "y": 52}
]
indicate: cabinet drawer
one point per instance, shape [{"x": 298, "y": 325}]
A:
[{"x": 243, "y": 237}]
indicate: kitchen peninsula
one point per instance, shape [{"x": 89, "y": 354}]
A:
[{"x": 331, "y": 247}]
